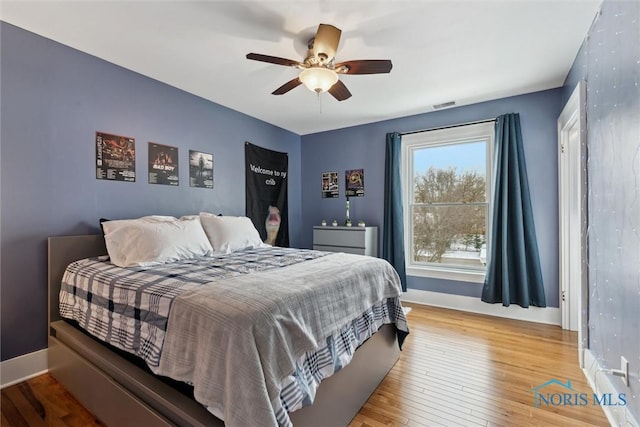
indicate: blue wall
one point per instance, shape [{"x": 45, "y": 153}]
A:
[
  {"x": 363, "y": 147},
  {"x": 54, "y": 99},
  {"x": 609, "y": 62}
]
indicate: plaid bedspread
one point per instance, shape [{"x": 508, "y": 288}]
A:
[
  {"x": 129, "y": 308},
  {"x": 299, "y": 388}
]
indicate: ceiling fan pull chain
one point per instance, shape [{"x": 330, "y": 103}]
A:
[{"x": 319, "y": 102}]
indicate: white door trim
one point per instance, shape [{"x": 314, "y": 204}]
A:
[{"x": 572, "y": 205}]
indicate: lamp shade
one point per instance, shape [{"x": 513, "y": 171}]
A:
[{"x": 318, "y": 79}]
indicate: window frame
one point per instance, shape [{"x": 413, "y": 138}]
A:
[{"x": 440, "y": 138}]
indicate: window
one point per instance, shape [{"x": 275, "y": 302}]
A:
[{"x": 447, "y": 201}]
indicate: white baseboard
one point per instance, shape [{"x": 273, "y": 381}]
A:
[
  {"x": 550, "y": 315},
  {"x": 23, "y": 367},
  {"x": 600, "y": 383}
]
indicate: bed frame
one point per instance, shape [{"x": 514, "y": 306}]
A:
[{"x": 119, "y": 393}]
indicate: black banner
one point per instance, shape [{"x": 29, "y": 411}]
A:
[{"x": 266, "y": 196}]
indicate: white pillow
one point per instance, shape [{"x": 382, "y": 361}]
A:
[
  {"x": 230, "y": 233},
  {"x": 154, "y": 240}
]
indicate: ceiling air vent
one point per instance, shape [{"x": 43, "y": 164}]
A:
[{"x": 444, "y": 105}]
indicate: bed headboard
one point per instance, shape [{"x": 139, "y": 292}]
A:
[{"x": 62, "y": 251}]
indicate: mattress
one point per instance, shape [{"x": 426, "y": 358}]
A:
[{"x": 254, "y": 332}]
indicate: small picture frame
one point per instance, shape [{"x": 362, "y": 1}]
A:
[
  {"x": 115, "y": 157},
  {"x": 354, "y": 183},
  {"x": 200, "y": 169},
  {"x": 330, "y": 187},
  {"x": 163, "y": 164}
]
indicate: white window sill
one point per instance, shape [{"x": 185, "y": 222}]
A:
[{"x": 447, "y": 274}]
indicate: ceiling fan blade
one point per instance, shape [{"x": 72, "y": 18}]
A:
[
  {"x": 364, "y": 66},
  {"x": 272, "y": 59},
  {"x": 287, "y": 87},
  {"x": 326, "y": 42},
  {"x": 339, "y": 91}
]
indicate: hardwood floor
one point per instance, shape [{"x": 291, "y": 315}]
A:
[
  {"x": 463, "y": 369},
  {"x": 456, "y": 369},
  {"x": 41, "y": 401}
]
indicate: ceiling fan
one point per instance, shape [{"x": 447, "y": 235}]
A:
[{"x": 319, "y": 70}]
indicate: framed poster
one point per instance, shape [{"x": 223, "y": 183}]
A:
[
  {"x": 354, "y": 183},
  {"x": 163, "y": 164},
  {"x": 330, "y": 185},
  {"x": 115, "y": 157},
  {"x": 200, "y": 169}
]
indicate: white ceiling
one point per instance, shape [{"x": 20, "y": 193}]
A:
[{"x": 463, "y": 51}]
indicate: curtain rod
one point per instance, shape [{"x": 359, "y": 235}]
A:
[{"x": 448, "y": 127}]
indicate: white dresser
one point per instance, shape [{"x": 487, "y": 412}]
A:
[{"x": 353, "y": 240}]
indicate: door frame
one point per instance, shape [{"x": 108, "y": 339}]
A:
[{"x": 573, "y": 218}]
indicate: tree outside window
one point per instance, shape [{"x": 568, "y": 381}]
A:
[{"x": 449, "y": 216}]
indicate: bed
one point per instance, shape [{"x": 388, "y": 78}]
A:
[{"x": 120, "y": 392}]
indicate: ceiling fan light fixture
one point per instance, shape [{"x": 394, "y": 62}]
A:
[{"x": 318, "y": 79}]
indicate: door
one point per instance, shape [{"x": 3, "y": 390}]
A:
[{"x": 572, "y": 218}]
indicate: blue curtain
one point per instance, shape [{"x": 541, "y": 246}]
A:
[
  {"x": 393, "y": 236},
  {"x": 513, "y": 271}
]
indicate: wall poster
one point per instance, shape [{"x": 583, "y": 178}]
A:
[
  {"x": 200, "y": 169},
  {"x": 163, "y": 164},
  {"x": 115, "y": 157},
  {"x": 354, "y": 183},
  {"x": 266, "y": 193},
  {"x": 330, "y": 185}
]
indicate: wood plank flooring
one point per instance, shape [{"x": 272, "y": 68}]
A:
[
  {"x": 41, "y": 401},
  {"x": 464, "y": 369},
  {"x": 457, "y": 369}
]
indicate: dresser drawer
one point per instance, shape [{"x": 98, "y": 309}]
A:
[
  {"x": 354, "y": 240},
  {"x": 339, "y": 237}
]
